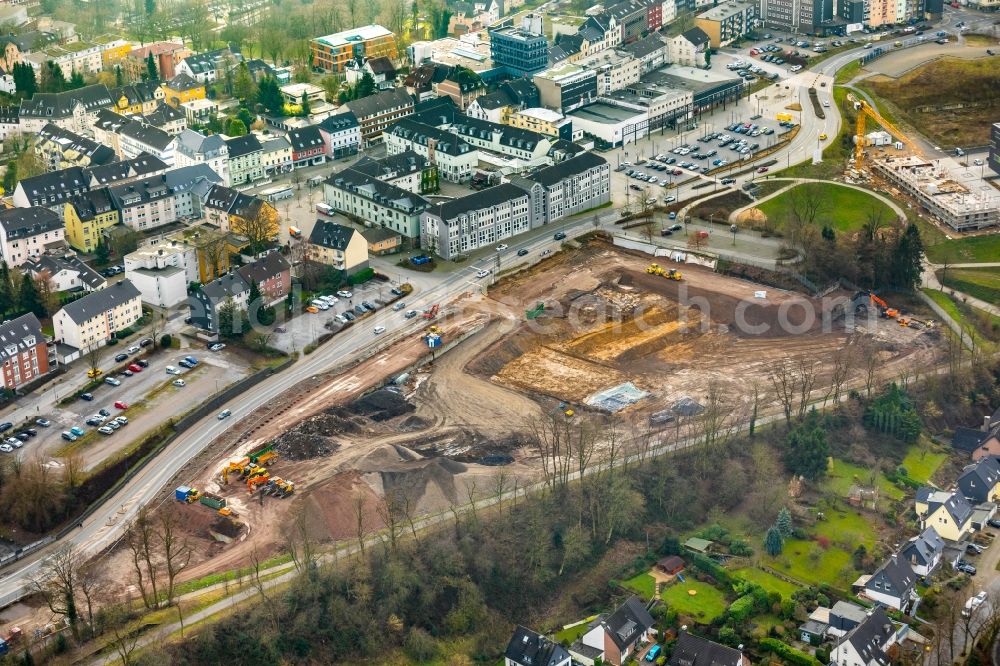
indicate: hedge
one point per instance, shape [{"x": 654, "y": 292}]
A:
[
  {"x": 712, "y": 568},
  {"x": 362, "y": 276},
  {"x": 787, "y": 653}
]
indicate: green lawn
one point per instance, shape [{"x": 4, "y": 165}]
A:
[
  {"x": 831, "y": 566},
  {"x": 571, "y": 634},
  {"x": 981, "y": 283},
  {"x": 846, "y": 525},
  {"x": 842, "y": 475},
  {"x": 705, "y": 606},
  {"x": 767, "y": 581},
  {"x": 921, "y": 463},
  {"x": 762, "y": 624},
  {"x": 950, "y": 306},
  {"x": 644, "y": 585},
  {"x": 975, "y": 249},
  {"x": 843, "y": 208}
]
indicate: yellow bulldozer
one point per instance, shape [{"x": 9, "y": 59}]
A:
[{"x": 669, "y": 273}]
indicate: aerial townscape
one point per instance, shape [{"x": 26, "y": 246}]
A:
[{"x": 501, "y": 332}]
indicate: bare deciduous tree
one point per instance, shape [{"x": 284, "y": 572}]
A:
[
  {"x": 176, "y": 551},
  {"x": 56, "y": 584}
]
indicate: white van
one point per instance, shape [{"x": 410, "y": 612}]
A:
[
  {"x": 171, "y": 370},
  {"x": 319, "y": 304}
]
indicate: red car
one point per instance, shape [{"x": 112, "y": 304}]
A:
[
  {"x": 121, "y": 405},
  {"x": 135, "y": 367},
  {"x": 762, "y": 170}
]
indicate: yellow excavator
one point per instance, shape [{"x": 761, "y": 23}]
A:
[{"x": 669, "y": 273}]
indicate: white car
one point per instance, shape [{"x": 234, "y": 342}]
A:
[
  {"x": 482, "y": 274},
  {"x": 179, "y": 382},
  {"x": 224, "y": 414},
  {"x": 343, "y": 293},
  {"x": 378, "y": 330},
  {"x": 6, "y": 448},
  {"x": 171, "y": 370},
  {"x": 100, "y": 418},
  {"x": 973, "y": 603},
  {"x": 122, "y": 420},
  {"x": 106, "y": 430},
  {"x": 134, "y": 349},
  {"x": 977, "y": 162},
  {"x": 669, "y": 199},
  {"x": 795, "y": 68},
  {"x": 329, "y": 299},
  {"x": 826, "y": 103},
  {"x": 218, "y": 346},
  {"x": 501, "y": 247}
]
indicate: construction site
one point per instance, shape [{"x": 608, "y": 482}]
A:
[{"x": 590, "y": 331}]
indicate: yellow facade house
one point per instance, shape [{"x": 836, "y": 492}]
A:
[
  {"x": 182, "y": 88},
  {"x": 86, "y": 216},
  {"x": 948, "y": 512},
  {"x": 343, "y": 248}
]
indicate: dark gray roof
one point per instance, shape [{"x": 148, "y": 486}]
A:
[
  {"x": 54, "y": 265},
  {"x": 331, "y": 235},
  {"x": 924, "y": 547},
  {"x": 19, "y": 332},
  {"x": 305, "y": 138},
  {"x": 968, "y": 439},
  {"x": 233, "y": 201},
  {"x": 381, "y": 65},
  {"x": 265, "y": 268},
  {"x": 60, "y": 105},
  {"x": 957, "y": 506},
  {"x": 185, "y": 178},
  {"x": 378, "y": 234},
  {"x": 194, "y": 143},
  {"x": 870, "y": 637},
  {"x": 514, "y": 137},
  {"x": 691, "y": 650},
  {"x": 895, "y": 576},
  {"x": 339, "y": 122},
  {"x": 243, "y": 145},
  {"x": 643, "y": 47},
  {"x": 9, "y": 115},
  {"x": 162, "y": 115},
  {"x": 527, "y": 648},
  {"x": 141, "y": 165},
  {"x": 55, "y": 186},
  {"x": 183, "y": 82},
  {"x": 97, "y": 153},
  {"x": 696, "y": 36},
  {"x": 378, "y": 190},
  {"x": 494, "y": 100},
  {"x": 139, "y": 192},
  {"x": 147, "y": 135},
  {"x": 565, "y": 148},
  {"x": 488, "y": 198},
  {"x": 421, "y": 134},
  {"x": 93, "y": 203},
  {"x": 978, "y": 480},
  {"x": 391, "y": 166},
  {"x": 27, "y": 42},
  {"x": 136, "y": 93},
  {"x": 26, "y": 222},
  {"x": 109, "y": 120},
  {"x": 211, "y": 60},
  {"x": 380, "y": 103},
  {"x": 100, "y": 301},
  {"x": 227, "y": 286},
  {"x": 626, "y": 624},
  {"x": 575, "y": 165}
]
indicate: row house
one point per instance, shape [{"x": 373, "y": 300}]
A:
[
  {"x": 272, "y": 275},
  {"x": 245, "y": 159},
  {"x": 374, "y": 202},
  {"x": 341, "y": 134},
  {"x": 276, "y": 157},
  {"x": 54, "y": 189},
  {"x": 455, "y": 158},
  {"x": 135, "y": 138},
  {"x": 506, "y": 140},
  {"x": 165, "y": 117},
  {"x": 145, "y": 204},
  {"x": 377, "y": 112},
  {"x": 308, "y": 146},
  {"x": 88, "y": 214},
  {"x": 137, "y": 98},
  {"x": 229, "y": 209},
  {"x": 195, "y": 148}
]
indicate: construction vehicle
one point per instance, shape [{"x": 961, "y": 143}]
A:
[
  {"x": 186, "y": 494},
  {"x": 669, "y": 273},
  {"x": 865, "y": 111},
  {"x": 434, "y": 329},
  {"x": 431, "y": 312},
  {"x": 255, "y": 481},
  {"x": 212, "y": 501},
  {"x": 535, "y": 311},
  {"x": 883, "y": 308},
  {"x": 233, "y": 467}
]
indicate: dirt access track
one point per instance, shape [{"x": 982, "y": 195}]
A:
[{"x": 440, "y": 438}]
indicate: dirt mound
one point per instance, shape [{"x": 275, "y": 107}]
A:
[
  {"x": 751, "y": 217},
  {"x": 314, "y": 437},
  {"x": 426, "y": 481},
  {"x": 227, "y": 527},
  {"x": 413, "y": 423},
  {"x": 382, "y": 405},
  {"x": 468, "y": 446}
]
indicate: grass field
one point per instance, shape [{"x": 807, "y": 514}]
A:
[
  {"x": 767, "y": 581},
  {"x": 981, "y": 283},
  {"x": 571, "y": 634},
  {"x": 918, "y": 95},
  {"x": 951, "y": 308},
  {"x": 921, "y": 463},
  {"x": 845, "y": 209},
  {"x": 644, "y": 585},
  {"x": 705, "y": 606},
  {"x": 808, "y": 562},
  {"x": 842, "y": 475},
  {"x": 975, "y": 249}
]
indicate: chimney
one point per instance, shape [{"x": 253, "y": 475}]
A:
[
  {"x": 986, "y": 424},
  {"x": 684, "y": 627}
]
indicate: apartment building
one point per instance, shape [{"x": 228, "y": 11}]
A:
[
  {"x": 183, "y": 88},
  {"x": 27, "y": 233},
  {"x": 522, "y": 50},
  {"x": 615, "y": 69},
  {"x": 455, "y": 158},
  {"x": 65, "y": 273},
  {"x": 24, "y": 351},
  {"x": 377, "y": 112},
  {"x": 308, "y": 146},
  {"x": 374, "y": 202},
  {"x": 161, "y": 273},
  {"x": 506, "y": 140},
  {"x": 167, "y": 118},
  {"x": 569, "y": 187},
  {"x": 543, "y": 121},
  {"x": 727, "y": 21},
  {"x": 209, "y": 66},
  {"x": 477, "y": 220},
  {"x": 343, "y": 248},
  {"x": 88, "y": 214},
  {"x": 566, "y": 87},
  {"x": 271, "y": 273},
  {"x": 229, "y": 209},
  {"x": 195, "y": 148},
  {"x": 342, "y": 135},
  {"x": 137, "y": 98},
  {"x": 60, "y": 148},
  {"x": 688, "y": 48},
  {"x": 135, "y": 138},
  {"x": 93, "y": 319},
  {"x": 75, "y": 110},
  {"x": 406, "y": 170},
  {"x": 145, "y": 204},
  {"x": 245, "y": 159},
  {"x": 333, "y": 53},
  {"x": 276, "y": 157}
]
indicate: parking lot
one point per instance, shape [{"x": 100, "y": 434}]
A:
[{"x": 150, "y": 397}]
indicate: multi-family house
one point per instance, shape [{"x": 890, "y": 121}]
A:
[
  {"x": 245, "y": 159},
  {"x": 728, "y": 21},
  {"x": 106, "y": 126},
  {"x": 195, "y": 148},
  {"x": 406, "y": 170},
  {"x": 691, "y": 650},
  {"x": 199, "y": 111},
  {"x": 980, "y": 481},
  {"x": 26, "y": 233},
  {"x": 276, "y": 157},
  {"x": 145, "y": 204},
  {"x": 51, "y": 189},
  {"x": 209, "y": 66},
  {"x": 481, "y": 219},
  {"x": 189, "y": 186},
  {"x": 893, "y": 584},
  {"x": 65, "y": 273},
  {"x": 456, "y": 159},
  {"x": 75, "y": 110},
  {"x": 923, "y": 552},
  {"x": 229, "y": 209},
  {"x": 867, "y": 643},
  {"x": 843, "y": 617},
  {"x": 308, "y": 146},
  {"x": 462, "y": 85},
  {"x": 948, "y": 512},
  {"x": 527, "y": 648},
  {"x": 688, "y": 48},
  {"x": 88, "y": 214},
  {"x": 160, "y": 273},
  {"x": 182, "y": 88},
  {"x": 167, "y": 118},
  {"x": 137, "y": 98},
  {"x": 273, "y": 276},
  {"x": 92, "y": 320},
  {"x": 9, "y": 121},
  {"x": 377, "y": 112},
  {"x": 135, "y": 138},
  {"x": 375, "y": 202},
  {"x": 166, "y": 55},
  {"x": 516, "y": 142},
  {"x": 343, "y": 248},
  {"x": 24, "y": 351},
  {"x": 342, "y": 135},
  {"x": 61, "y": 148}
]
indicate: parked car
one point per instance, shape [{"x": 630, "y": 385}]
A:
[
  {"x": 973, "y": 603},
  {"x": 993, "y": 522},
  {"x": 179, "y": 382},
  {"x": 367, "y": 305},
  {"x": 171, "y": 370},
  {"x": 45, "y": 423},
  {"x": 136, "y": 367},
  {"x": 192, "y": 361},
  {"x": 965, "y": 567},
  {"x": 121, "y": 404},
  {"x": 653, "y": 653},
  {"x": 396, "y": 307},
  {"x": 94, "y": 372},
  {"x": 112, "y": 381},
  {"x": 410, "y": 314},
  {"x": 4, "y": 427},
  {"x": 142, "y": 363},
  {"x": 68, "y": 436},
  {"x": 378, "y": 330},
  {"x": 343, "y": 293},
  {"x": 6, "y": 448},
  {"x": 974, "y": 549},
  {"x": 120, "y": 357},
  {"x": 76, "y": 430},
  {"x": 87, "y": 396},
  {"x": 145, "y": 342},
  {"x": 106, "y": 430},
  {"x": 348, "y": 315},
  {"x": 184, "y": 363}
]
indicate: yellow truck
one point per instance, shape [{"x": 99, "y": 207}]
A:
[{"x": 784, "y": 117}]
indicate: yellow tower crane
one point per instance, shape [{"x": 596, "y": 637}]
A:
[{"x": 866, "y": 111}]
